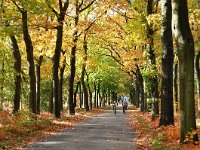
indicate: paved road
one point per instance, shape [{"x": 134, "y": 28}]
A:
[{"x": 106, "y": 131}]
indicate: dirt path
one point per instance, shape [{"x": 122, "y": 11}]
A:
[{"x": 106, "y": 131}]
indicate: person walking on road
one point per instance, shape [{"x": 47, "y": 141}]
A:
[
  {"x": 125, "y": 105},
  {"x": 115, "y": 106}
]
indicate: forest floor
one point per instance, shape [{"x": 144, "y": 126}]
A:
[
  {"x": 24, "y": 128},
  {"x": 151, "y": 136}
]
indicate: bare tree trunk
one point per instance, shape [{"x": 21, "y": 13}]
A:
[
  {"x": 83, "y": 75},
  {"x": 71, "y": 81},
  {"x": 167, "y": 111},
  {"x": 17, "y": 66},
  {"x": 185, "y": 48},
  {"x": 152, "y": 58},
  {"x": 98, "y": 94},
  {"x": 38, "y": 65},
  {"x": 56, "y": 58},
  {"x": 56, "y": 61},
  {"x": 109, "y": 99},
  {"x": 95, "y": 95},
  {"x": 73, "y": 62},
  {"x": 3, "y": 82},
  {"x": 80, "y": 96},
  {"x": 90, "y": 92},
  {"x": 137, "y": 93},
  {"x": 62, "y": 70},
  {"x": 75, "y": 93},
  {"x": 197, "y": 68},
  {"x": 51, "y": 99},
  {"x": 141, "y": 89},
  {"x": 31, "y": 66},
  {"x": 103, "y": 97},
  {"x": 175, "y": 83}
]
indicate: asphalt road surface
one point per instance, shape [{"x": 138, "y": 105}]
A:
[{"x": 106, "y": 131}]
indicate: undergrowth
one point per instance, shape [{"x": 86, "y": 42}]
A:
[
  {"x": 151, "y": 136},
  {"x": 24, "y": 128}
]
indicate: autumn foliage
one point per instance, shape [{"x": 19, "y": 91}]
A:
[{"x": 151, "y": 136}]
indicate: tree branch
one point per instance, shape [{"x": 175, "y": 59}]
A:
[
  {"x": 52, "y": 9},
  {"x": 81, "y": 10},
  {"x": 60, "y": 5},
  {"x": 19, "y": 8},
  {"x": 66, "y": 4},
  {"x": 90, "y": 25},
  {"x": 79, "y": 6}
]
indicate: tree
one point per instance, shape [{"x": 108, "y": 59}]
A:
[
  {"x": 62, "y": 70},
  {"x": 185, "y": 49},
  {"x": 79, "y": 8},
  {"x": 17, "y": 58},
  {"x": 197, "y": 68},
  {"x": 90, "y": 91},
  {"x": 56, "y": 58},
  {"x": 139, "y": 80},
  {"x": 29, "y": 52},
  {"x": 194, "y": 17},
  {"x": 38, "y": 78},
  {"x": 152, "y": 60},
  {"x": 83, "y": 72},
  {"x": 167, "y": 112},
  {"x": 175, "y": 85},
  {"x": 85, "y": 91},
  {"x": 75, "y": 92},
  {"x": 17, "y": 66}
]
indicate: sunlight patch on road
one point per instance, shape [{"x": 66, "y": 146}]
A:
[{"x": 51, "y": 142}]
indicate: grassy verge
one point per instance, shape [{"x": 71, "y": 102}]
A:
[
  {"x": 25, "y": 128},
  {"x": 151, "y": 136}
]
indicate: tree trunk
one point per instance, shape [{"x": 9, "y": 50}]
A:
[
  {"x": 80, "y": 96},
  {"x": 198, "y": 81},
  {"x": 132, "y": 95},
  {"x": 51, "y": 99},
  {"x": 56, "y": 58},
  {"x": 85, "y": 91},
  {"x": 17, "y": 66},
  {"x": 100, "y": 99},
  {"x": 185, "y": 48},
  {"x": 137, "y": 93},
  {"x": 56, "y": 61},
  {"x": 98, "y": 94},
  {"x": 38, "y": 65},
  {"x": 31, "y": 66},
  {"x": 95, "y": 95},
  {"x": 83, "y": 75},
  {"x": 73, "y": 62},
  {"x": 71, "y": 110},
  {"x": 62, "y": 70},
  {"x": 90, "y": 91},
  {"x": 90, "y": 97},
  {"x": 152, "y": 58},
  {"x": 167, "y": 112},
  {"x": 104, "y": 97},
  {"x": 141, "y": 89},
  {"x": 3, "y": 82},
  {"x": 109, "y": 99},
  {"x": 175, "y": 83},
  {"x": 75, "y": 93},
  {"x": 145, "y": 103}
]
